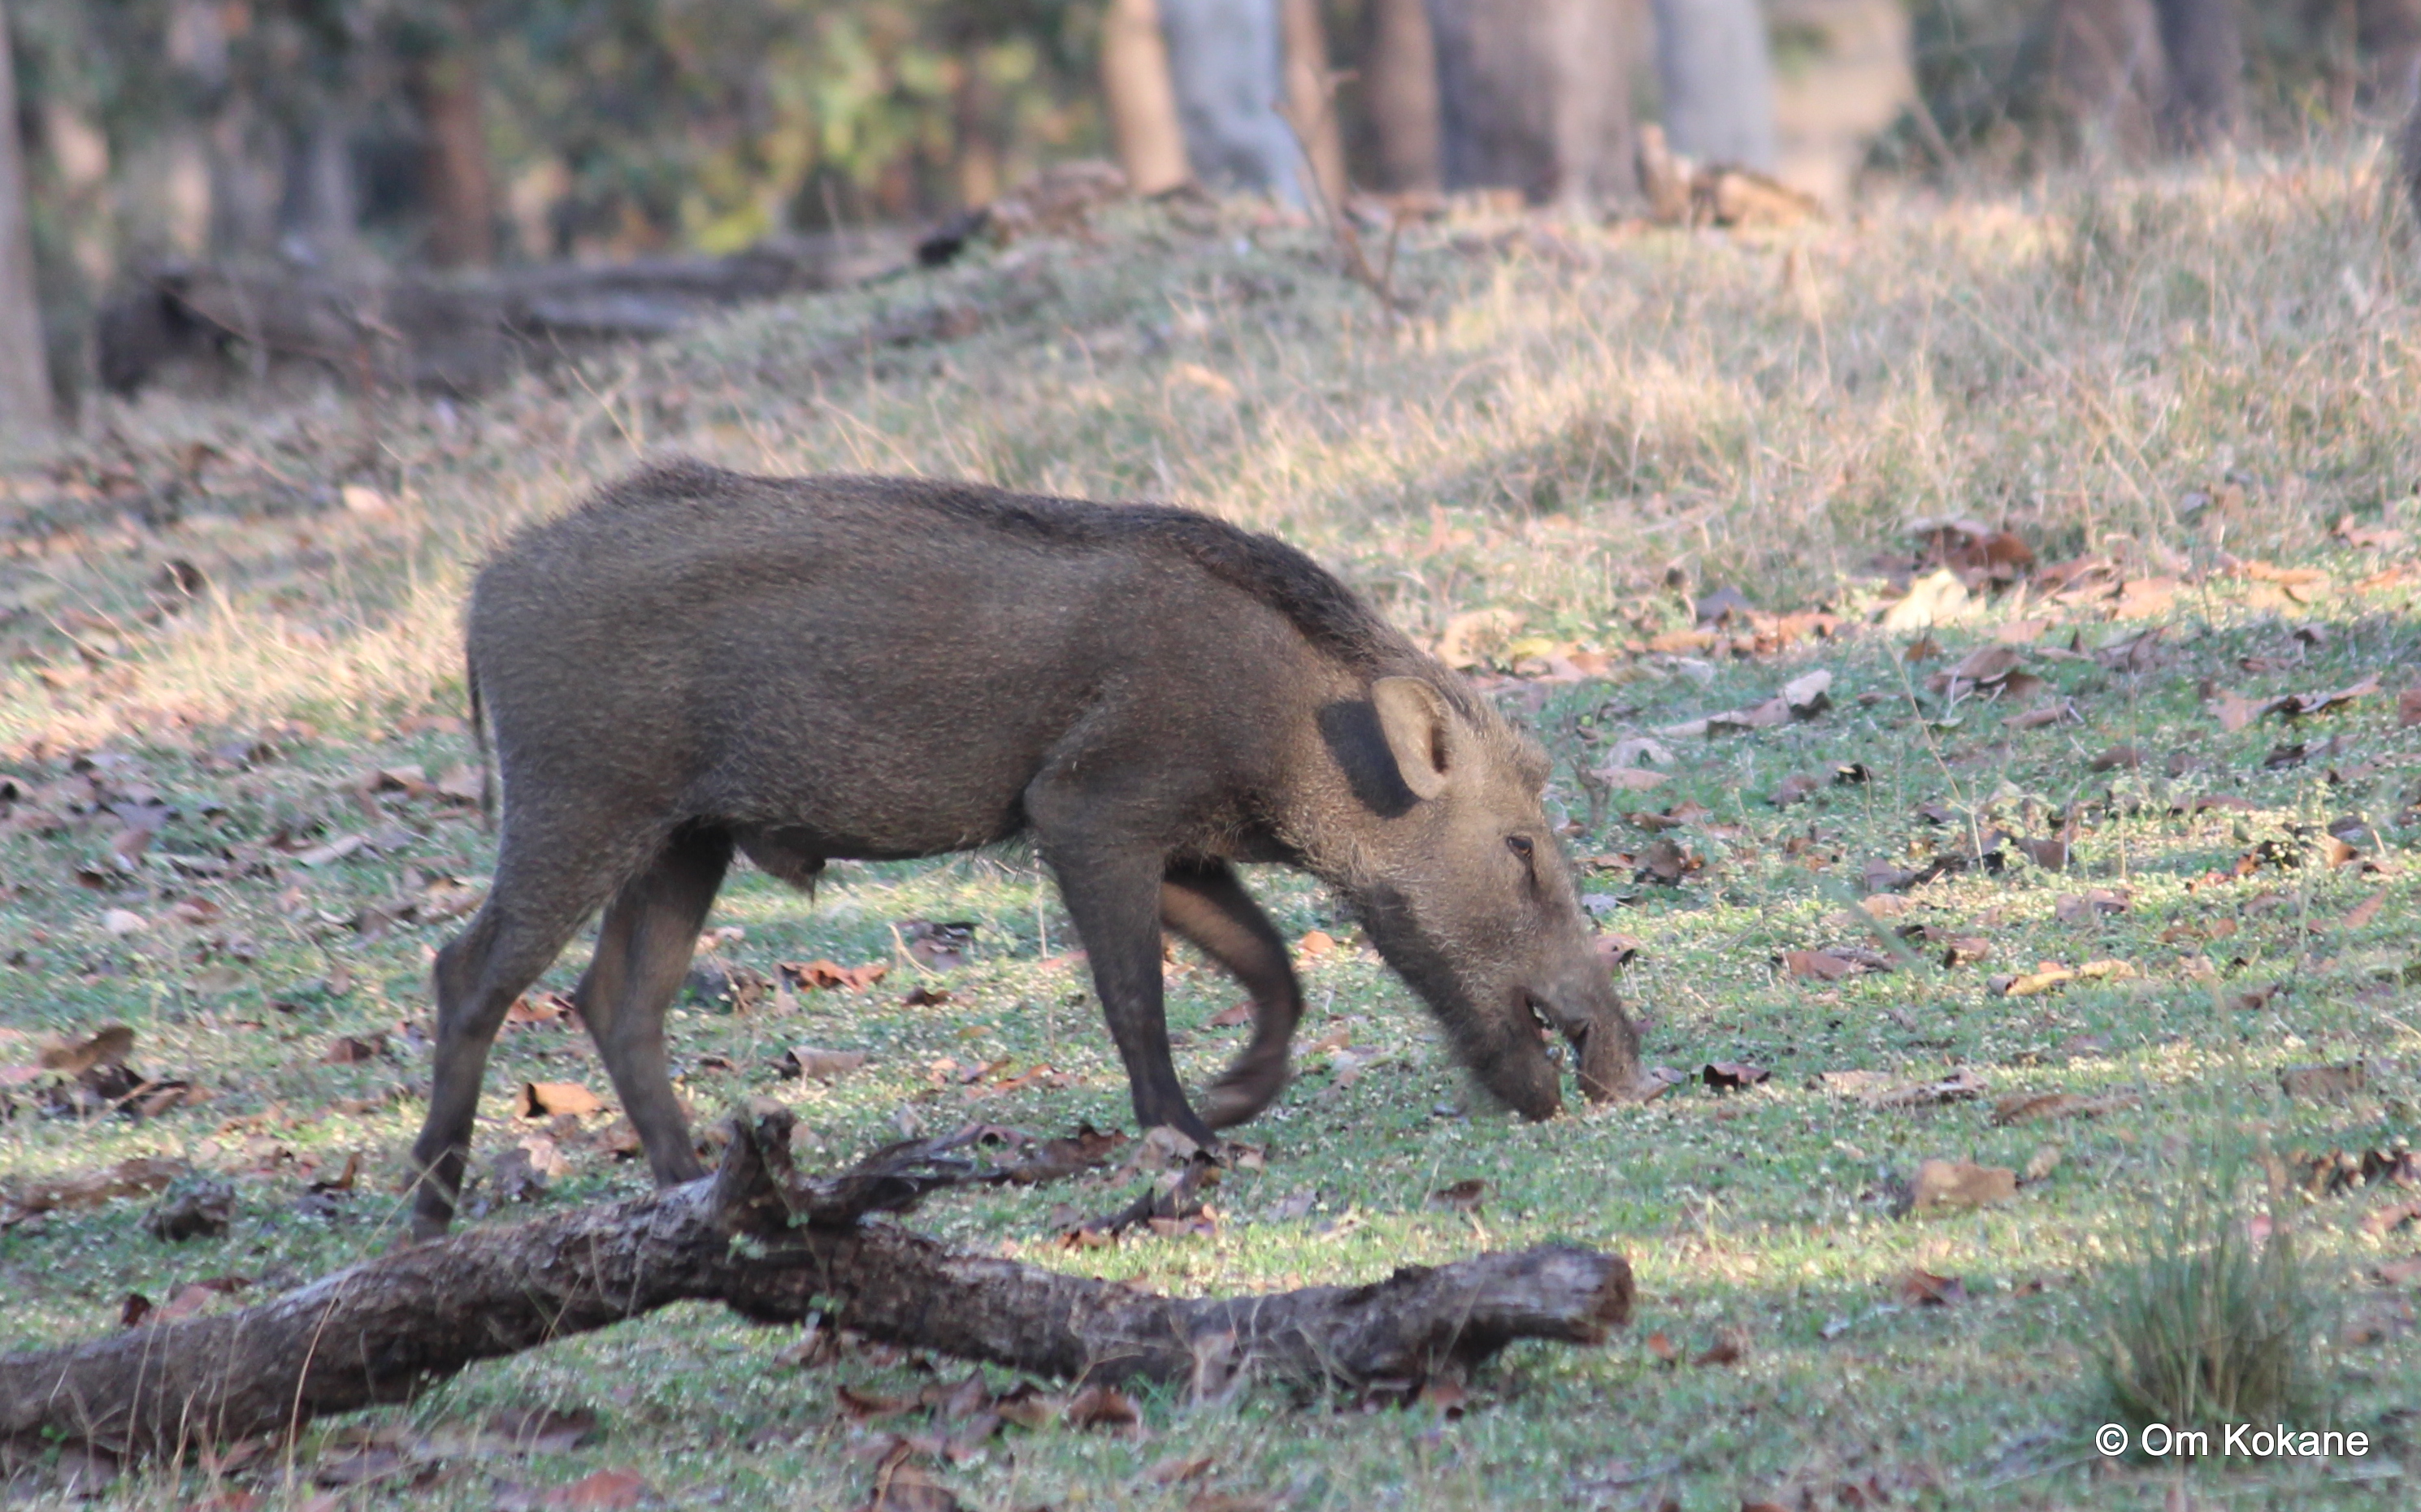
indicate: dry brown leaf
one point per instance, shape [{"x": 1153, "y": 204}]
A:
[
  {"x": 807, "y": 1063},
  {"x": 2042, "y": 979},
  {"x": 1731, "y": 1076},
  {"x": 1821, "y": 965},
  {"x": 1961, "y": 1085},
  {"x": 1959, "y": 1184},
  {"x": 607, "y": 1490},
  {"x": 107, "y": 1046},
  {"x": 1923, "y": 1288},
  {"x": 1795, "y": 788},
  {"x": 2037, "y": 1107},
  {"x": 1465, "y": 1196},
  {"x": 1101, "y": 1407},
  {"x": 830, "y": 976},
  {"x": 547, "y": 1099},
  {"x": 352, "y": 1049},
  {"x": 2324, "y": 1083},
  {"x": 133, "y": 1177},
  {"x": 2364, "y": 911}
]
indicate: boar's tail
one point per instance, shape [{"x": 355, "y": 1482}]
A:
[{"x": 479, "y": 742}]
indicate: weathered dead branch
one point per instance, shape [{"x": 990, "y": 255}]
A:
[{"x": 773, "y": 1246}]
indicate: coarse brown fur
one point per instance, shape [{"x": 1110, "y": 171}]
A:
[{"x": 697, "y": 661}]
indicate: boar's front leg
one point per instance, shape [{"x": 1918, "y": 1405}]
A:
[
  {"x": 1203, "y": 901},
  {"x": 1112, "y": 886},
  {"x": 644, "y": 944}
]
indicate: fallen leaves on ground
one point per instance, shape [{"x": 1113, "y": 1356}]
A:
[
  {"x": 2334, "y": 1173},
  {"x": 1940, "y": 1184},
  {"x": 1802, "y": 699},
  {"x": 1465, "y": 1196},
  {"x": 2235, "y": 711},
  {"x": 520, "y": 1430},
  {"x": 1732, "y": 1076},
  {"x": 2043, "y": 1107},
  {"x": 139, "y": 1176},
  {"x": 606, "y": 1491},
  {"x": 2324, "y": 1083},
  {"x": 807, "y": 1063},
  {"x": 938, "y": 944},
  {"x": 1823, "y": 966},
  {"x": 831, "y": 976},
  {"x": 191, "y": 1206},
  {"x": 2094, "y": 903},
  {"x": 1920, "y": 1287},
  {"x": 1961, "y": 1085},
  {"x": 548, "y": 1099},
  {"x": 1989, "y": 671}
]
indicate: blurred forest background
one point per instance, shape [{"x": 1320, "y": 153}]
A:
[{"x": 317, "y": 140}]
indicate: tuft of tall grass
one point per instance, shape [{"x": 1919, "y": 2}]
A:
[{"x": 2213, "y": 1319}]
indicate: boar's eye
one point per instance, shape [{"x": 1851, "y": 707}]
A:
[{"x": 1520, "y": 845}]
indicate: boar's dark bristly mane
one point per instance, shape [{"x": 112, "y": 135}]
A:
[{"x": 1328, "y": 613}]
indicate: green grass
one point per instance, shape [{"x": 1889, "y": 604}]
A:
[{"x": 1566, "y": 415}]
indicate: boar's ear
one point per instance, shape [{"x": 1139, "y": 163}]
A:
[{"x": 1418, "y": 729}]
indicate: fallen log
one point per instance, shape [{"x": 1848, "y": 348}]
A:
[
  {"x": 457, "y": 332},
  {"x": 774, "y": 1246}
]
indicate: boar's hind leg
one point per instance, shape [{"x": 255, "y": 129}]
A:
[
  {"x": 1204, "y": 902},
  {"x": 538, "y": 899},
  {"x": 644, "y": 944}
]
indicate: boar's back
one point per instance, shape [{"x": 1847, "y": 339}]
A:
[{"x": 887, "y": 663}]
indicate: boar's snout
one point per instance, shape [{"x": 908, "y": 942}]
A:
[{"x": 1582, "y": 1007}]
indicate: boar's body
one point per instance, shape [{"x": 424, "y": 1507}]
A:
[{"x": 697, "y": 661}]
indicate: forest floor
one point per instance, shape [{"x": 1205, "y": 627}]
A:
[{"x": 2050, "y": 883}]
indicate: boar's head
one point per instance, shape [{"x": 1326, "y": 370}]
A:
[{"x": 1463, "y": 886}]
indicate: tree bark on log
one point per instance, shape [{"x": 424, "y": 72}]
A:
[{"x": 773, "y": 1246}]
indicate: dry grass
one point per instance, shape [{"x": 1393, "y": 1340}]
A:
[{"x": 1568, "y": 415}]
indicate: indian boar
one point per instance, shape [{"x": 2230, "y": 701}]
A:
[{"x": 696, "y": 662}]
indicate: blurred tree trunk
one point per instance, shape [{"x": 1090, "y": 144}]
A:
[
  {"x": 1142, "y": 98},
  {"x": 1716, "y": 69},
  {"x": 26, "y": 407},
  {"x": 2206, "y": 57},
  {"x": 1399, "y": 84},
  {"x": 2387, "y": 35},
  {"x": 2107, "y": 74},
  {"x": 978, "y": 165},
  {"x": 1535, "y": 95},
  {"x": 317, "y": 216},
  {"x": 1227, "y": 60},
  {"x": 1311, "y": 97},
  {"x": 443, "y": 84}
]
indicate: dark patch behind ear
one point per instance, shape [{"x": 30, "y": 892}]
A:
[{"x": 1350, "y": 728}]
